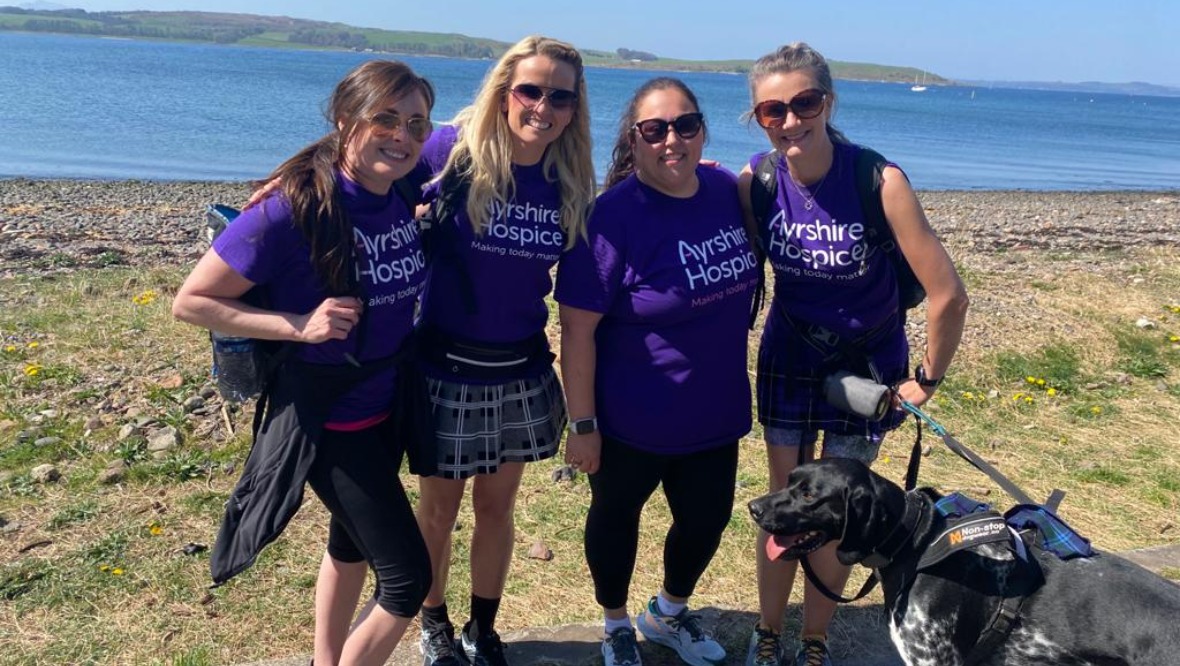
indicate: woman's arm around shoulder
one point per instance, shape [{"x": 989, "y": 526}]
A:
[{"x": 946, "y": 296}]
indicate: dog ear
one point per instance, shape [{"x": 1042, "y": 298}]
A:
[{"x": 860, "y": 518}]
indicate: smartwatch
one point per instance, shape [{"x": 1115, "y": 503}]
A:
[
  {"x": 584, "y": 426},
  {"x": 923, "y": 380}
]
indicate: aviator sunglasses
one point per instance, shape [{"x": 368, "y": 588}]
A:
[
  {"x": 655, "y": 130},
  {"x": 530, "y": 95},
  {"x": 387, "y": 122},
  {"x": 773, "y": 112}
]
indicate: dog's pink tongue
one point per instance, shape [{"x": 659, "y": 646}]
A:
[{"x": 773, "y": 549}]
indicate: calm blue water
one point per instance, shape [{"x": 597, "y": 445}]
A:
[{"x": 79, "y": 107}]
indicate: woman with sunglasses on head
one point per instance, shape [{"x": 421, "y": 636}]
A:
[
  {"x": 309, "y": 251},
  {"x": 828, "y": 275},
  {"x": 512, "y": 197},
  {"x": 653, "y": 347}
]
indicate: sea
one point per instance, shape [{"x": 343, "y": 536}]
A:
[{"x": 97, "y": 108}]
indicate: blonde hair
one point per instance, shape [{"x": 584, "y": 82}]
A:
[{"x": 482, "y": 154}]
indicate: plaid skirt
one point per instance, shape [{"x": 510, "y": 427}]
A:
[
  {"x": 789, "y": 385},
  {"x": 479, "y": 426}
]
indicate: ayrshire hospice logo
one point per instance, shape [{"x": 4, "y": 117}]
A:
[
  {"x": 713, "y": 260},
  {"x": 390, "y": 256},
  {"x": 817, "y": 244}
]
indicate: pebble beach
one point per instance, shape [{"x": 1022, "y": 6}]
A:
[{"x": 63, "y": 225}]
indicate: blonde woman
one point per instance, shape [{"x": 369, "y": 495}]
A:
[{"x": 511, "y": 198}]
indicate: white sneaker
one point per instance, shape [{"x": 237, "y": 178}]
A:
[
  {"x": 681, "y": 632},
  {"x": 619, "y": 648}
]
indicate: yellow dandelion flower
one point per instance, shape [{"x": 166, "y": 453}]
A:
[
  {"x": 104, "y": 567},
  {"x": 32, "y": 370},
  {"x": 1018, "y": 396},
  {"x": 1028, "y": 399},
  {"x": 968, "y": 395},
  {"x": 117, "y": 571},
  {"x": 1051, "y": 392},
  {"x": 1174, "y": 338},
  {"x": 1040, "y": 382},
  {"x": 34, "y": 344},
  {"x": 1095, "y": 410},
  {"x": 10, "y": 348},
  {"x": 1030, "y": 379},
  {"x": 156, "y": 530},
  {"x": 885, "y": 459}
]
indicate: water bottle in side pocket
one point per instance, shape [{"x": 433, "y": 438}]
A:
[{"x": 235, "y": 367}]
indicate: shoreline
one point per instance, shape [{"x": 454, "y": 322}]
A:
[{"x": 49, "y": 226}]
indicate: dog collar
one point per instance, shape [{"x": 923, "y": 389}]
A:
[{"x": 883, "y": 554}]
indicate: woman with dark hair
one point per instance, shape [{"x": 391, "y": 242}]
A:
[
  {"x": 830, "y": 276},
  {"x": 653, "y": 356},
  {"x": 335, "y": 255}
]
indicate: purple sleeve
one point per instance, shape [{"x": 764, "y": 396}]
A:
[
  {"x": 438, "y": 148},
  {"x": 590, "y": 274},
  {"x": 259, "y": 240}
]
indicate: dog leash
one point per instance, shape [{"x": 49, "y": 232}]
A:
[{"x": 970, "y": 456}]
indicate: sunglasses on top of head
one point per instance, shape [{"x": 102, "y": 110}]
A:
[
  {"x": 417, "y": 128},
  {"x": 530, "y": 95},
  {"x": 806, "y": 105},
  {"x": 655, "y": 130}
]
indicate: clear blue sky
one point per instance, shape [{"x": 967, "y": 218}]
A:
[{"x": 1025, "y": 40}]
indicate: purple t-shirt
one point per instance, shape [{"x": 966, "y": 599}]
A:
[
  {"x": 265, "y": 247},
  {"x": 673, "y": 279},
  {"x": 825, "y": 272},
  {"x": 437, "y": 148},
  {"x": 509, "y": 264}
]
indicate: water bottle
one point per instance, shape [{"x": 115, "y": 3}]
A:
[{"x": 235, "y": 367}]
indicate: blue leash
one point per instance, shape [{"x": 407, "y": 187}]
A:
[{"x": 970, "y": 456}]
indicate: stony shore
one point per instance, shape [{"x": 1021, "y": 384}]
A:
[{"x": 53, "y": 225}]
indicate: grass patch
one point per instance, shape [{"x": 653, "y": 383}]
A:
[
  {"x": 1053, "y": 366},
  {"x": 1140, "y": 354},
  {"x": 70, "y": 515},
  {"x": 109, "y": 350}
]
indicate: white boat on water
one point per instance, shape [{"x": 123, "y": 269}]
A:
[{"x": 919, "y": 87}]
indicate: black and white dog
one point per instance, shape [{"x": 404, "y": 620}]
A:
[{"x": 1101, "y": 610}]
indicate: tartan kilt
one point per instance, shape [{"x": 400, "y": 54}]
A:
[{"x": 480, "y": 426}]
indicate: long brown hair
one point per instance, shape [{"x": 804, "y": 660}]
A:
[
  {"x": 622, "y": 162},
  {"x": 308, "y": 179}
]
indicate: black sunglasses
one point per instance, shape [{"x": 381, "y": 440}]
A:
[
  {"x": 417, "y": 128},
  {"x": 806, "y": 105},
  {"x": 655, "y": 130},
  {"x": 530, "y": 95}
]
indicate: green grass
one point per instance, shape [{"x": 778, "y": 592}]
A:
[{"x": 113, "y": 357}]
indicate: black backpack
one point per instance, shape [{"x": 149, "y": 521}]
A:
[{"x": 869, "y": 167}]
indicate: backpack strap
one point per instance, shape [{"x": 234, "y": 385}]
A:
[
  {"x": 870, "y": 167},
  {"x": 763, "y": 191},
  {"x": 409, "y": 194},
  {"x": 438, "y": 231}
]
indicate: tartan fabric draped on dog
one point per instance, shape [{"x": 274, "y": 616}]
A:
[{"x": 1051, "y": 532}]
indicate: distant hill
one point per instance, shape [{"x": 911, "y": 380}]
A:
[
  {"x": 1131, "y": 88},
  {"x": 284, "y": 32}
]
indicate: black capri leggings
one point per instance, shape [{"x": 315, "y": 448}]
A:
[
  {"x": 699, "y": 488},
  {"x": 355, "y": 474}
]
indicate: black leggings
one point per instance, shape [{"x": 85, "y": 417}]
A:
[
  {"x": 355, "y": 475},
  {"x": 699, "y": 488}
]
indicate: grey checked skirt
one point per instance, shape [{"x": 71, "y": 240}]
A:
[{"x": 478, "y": 427}]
